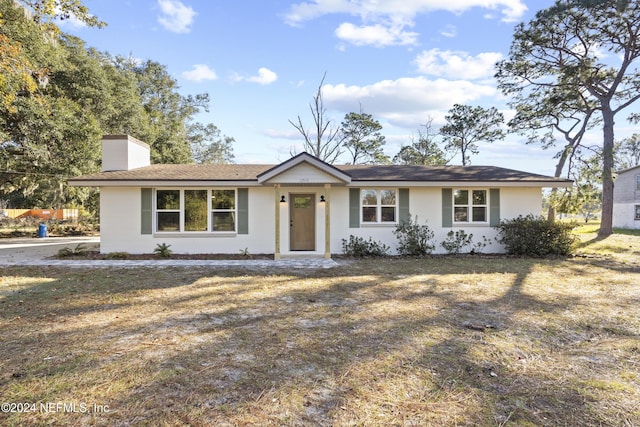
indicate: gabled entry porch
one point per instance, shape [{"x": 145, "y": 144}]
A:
[{"x": 302, "y": 194}]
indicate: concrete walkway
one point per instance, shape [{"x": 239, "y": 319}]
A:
[{"x": 39, "y": 252}]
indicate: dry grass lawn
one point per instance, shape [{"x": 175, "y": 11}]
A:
[{"x": 468, "y": 341}]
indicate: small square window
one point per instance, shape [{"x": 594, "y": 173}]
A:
[
  {"x": 479, "y": 214},
  {"x": 223, "y": 199},
  {"x": 168, "y": 199},
  {"x": 479, "y": 197},
  {"x": 369, "y": 214},
  {"x": 461, "y": 214},
  {"x": 168, "y": 221},
  {"x": 223, "y": 221},
  {"x": 461, "y": 197},
  {"x": 637, "y": 212}
]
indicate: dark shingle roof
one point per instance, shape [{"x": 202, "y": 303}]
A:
[
  {"x": 249, "y": 172},
  {"x": 438, "y": 173}
]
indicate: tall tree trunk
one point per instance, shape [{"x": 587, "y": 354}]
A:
[{"x": 606, "y": 220}]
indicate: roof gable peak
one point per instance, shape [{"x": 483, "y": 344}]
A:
[{"x": 301, "y": 160}]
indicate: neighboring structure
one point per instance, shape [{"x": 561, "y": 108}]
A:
[
  {"x": 300, "y": 206},
  {"x": 59, "y": 214},
  {"x": 626, "y": 199}
]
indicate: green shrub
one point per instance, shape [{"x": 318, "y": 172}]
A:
[
  {"x": 458, "y": 240},
  {"x": 118, "y": 255},
  {"x": 162, "y": 250},
  {"x": 79, "y": 250},
  {"x": 414, "y": 239},
  {"x": 359, "y": 247},
  {"x": 536, "y": 236}
]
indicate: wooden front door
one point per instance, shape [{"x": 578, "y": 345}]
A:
[{"x": 302, "y": 221}]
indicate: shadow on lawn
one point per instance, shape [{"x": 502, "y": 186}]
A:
[{"x": 303, "y": 348}]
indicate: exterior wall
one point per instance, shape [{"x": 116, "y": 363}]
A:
[
  {"x": 624, "y": 215},
  {"x": 426, "y": 204},
  {"x": 625, "y": 189},
  {"x": 120, "y": 224},
  {"x": 121, "y": 221},
  {"x": 625, "y": 198}
]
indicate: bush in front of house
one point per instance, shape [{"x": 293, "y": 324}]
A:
[
  {"x": 536, "y": 236},
  {"x": 457, "y": 241},
  {"x": 359, "y": 247},
  {"x": 414, "y": 239}
]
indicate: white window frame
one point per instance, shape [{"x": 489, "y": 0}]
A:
[
  {"x": 637, "y": 212},
  {"x": 213, "y": 210},
  {"x": 181, "y": 211},
  {"x": 378, "y": 206},
  {"x": 637, "y": 182},
  {"x": 157, "y": 211},
  {"x": 469, "y": 206}
]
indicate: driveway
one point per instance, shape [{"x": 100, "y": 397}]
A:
[{"x": 21, "y": 249}]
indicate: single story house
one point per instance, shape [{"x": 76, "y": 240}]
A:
[
  {"x": 300, "y": 206},
  {"x": 626, "y": 199}
]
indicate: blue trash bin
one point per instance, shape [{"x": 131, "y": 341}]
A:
[{"x": 42, "y": 230}]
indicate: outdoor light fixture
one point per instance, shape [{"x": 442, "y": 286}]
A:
[
  {"x": 322, "y": 199},
  {"x": 282, "y": 200}
]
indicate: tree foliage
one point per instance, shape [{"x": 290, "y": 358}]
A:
[
  {"x": 362, "y": 138},
  {"x": 208, "y": 145},
  {"x": 58, "y": 97},
  {"x": 467, "y": 126},
  {"x": 628, "y": 152},
  {"x": 423, "y": 150},
  {"x": 585, "y": 197},
  {"x": 586, "y": 48},
  {"x": 43, "y": 11}
]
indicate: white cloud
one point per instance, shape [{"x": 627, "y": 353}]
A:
[
  {"x": 406, "y": 101},
  {"x": 282, "y": 134},
  {"x": 377, "y": 35},
  {"x": 457, "y": 64},
  {"x": 199, "y": 73},
  {"x": 264, "y": 77},
  {"x": 449, "y": 31},
  {"x": 176, "y": 16},
  {"x": 368, "y": 10}
]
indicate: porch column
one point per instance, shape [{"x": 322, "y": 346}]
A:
[
  {"x": 327, "y": 220},
  {"x": 276, "y": 253}
]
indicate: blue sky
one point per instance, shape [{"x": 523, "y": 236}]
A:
[{"x": 403, "y": 61}]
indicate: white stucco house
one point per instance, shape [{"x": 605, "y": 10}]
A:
[
  {"x": 626, "y": 199},
  {"x": 300, "y": 206}
]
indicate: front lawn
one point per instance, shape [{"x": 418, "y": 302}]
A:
[{"x": 440, "y": 341}]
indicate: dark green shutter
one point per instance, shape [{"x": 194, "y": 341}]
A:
[
  {"x": 404, "y": 215},
  {"x": 354, "y": 208},
  {"x": 243, "y": 211},
  {"x": 146, "y": 218},
  {"x": 494, "y": 207},
  {"x": 447, "y": 207}
]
